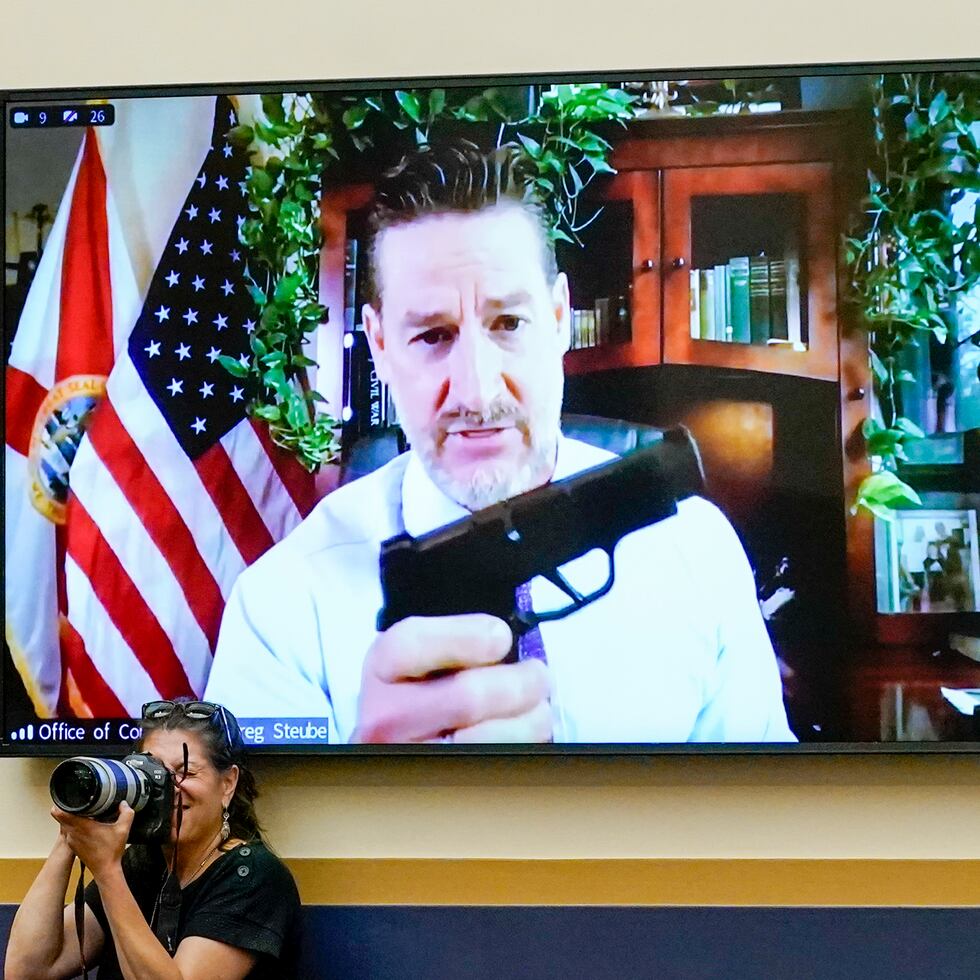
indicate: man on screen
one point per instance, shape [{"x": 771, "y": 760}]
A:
[{"x": 468, "y": 323}]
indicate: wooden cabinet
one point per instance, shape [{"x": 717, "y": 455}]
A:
[
  {"x": 777, "y": 417},
  {"x": 705, "y": 194}
]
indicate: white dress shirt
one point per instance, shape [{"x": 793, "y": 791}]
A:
[{"x": 676, "y": 651}]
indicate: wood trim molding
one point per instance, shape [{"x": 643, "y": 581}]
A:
[{"x": 626, "y": 882}]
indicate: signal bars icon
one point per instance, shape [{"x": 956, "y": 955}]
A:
[{"x": 23, "y": 734}]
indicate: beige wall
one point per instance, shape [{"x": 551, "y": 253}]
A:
[
  {"x": 681, "y": 808},
  {"x": 567, "y": 808}
]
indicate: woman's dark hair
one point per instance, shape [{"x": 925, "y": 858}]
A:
[{"x": 225, "y": 748}]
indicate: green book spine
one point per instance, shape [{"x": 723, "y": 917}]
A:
[
  {"x": 759, "y": 299},
  {"x": 777, "y": 300},
  {"x": 738, "y": 274}
]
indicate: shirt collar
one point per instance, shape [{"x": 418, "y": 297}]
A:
[{"x": 425, "y": 507}]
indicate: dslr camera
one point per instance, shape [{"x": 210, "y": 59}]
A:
[{"x": 95, "y": 787}]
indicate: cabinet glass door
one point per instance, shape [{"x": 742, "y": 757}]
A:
[
  {"x": 749, "y": 277},
  {"x": 614, "y": 277}
]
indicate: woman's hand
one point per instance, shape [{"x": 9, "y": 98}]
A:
[{"x": 98, "y": 845}]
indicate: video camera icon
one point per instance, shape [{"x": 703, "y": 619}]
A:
[{"x": 20, "y": 118}]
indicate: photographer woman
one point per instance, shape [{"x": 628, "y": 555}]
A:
[{"x": 212, "y": 902}]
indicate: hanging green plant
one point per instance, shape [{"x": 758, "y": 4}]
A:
[
  {"x": 315, "y": 137},
  {"x": 913, "y": 259}
]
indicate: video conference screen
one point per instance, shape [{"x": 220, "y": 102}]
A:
[{"x": 631, "y": 412}]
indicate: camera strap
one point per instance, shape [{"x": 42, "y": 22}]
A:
[
  {"x": 168, "y": 913},
  {"x": 80, "y": 916},
  {"x": 166, "y": 916}
]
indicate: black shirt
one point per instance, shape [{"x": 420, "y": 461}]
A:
[{"x": 246, "y": 898}]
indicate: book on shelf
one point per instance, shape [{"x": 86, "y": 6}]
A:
[
  {"x": 350, "y": 284},
  {"x": 707, "y": 304},
  {"x": 584, "y": 332},
  {"x": 749, "y": 300},
  {"x": 694, "y": 280},
  {"x": 366, "y": 396},
  {"x": 738, "y": 278},
  {"x": 601, "y": 319},
  {"x": 709, "y": 329},
  {"x": 778, "y": 325},
  {"x": 723, "y": 329},
  {"x": 759, "y": 299},
  {"x": 794, "y": 301},
  {"x": 377, "y": 400}
]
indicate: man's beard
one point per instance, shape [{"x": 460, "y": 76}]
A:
[{"x": 492, "y": 482}]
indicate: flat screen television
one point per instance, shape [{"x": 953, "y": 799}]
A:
[{"x": 623, "y": 412}]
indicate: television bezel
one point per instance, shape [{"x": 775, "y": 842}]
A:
[{"x": 17, "y": 749}]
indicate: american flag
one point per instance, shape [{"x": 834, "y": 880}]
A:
[{"x": 174, "y": 491}]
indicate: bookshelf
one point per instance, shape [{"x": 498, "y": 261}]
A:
[{"x": 733, "y": 262}]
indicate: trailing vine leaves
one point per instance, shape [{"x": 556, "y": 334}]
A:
[
  {"x": 564, "y": 153},
  {"x": 912, "y": 259},
  {"x": 315, "y": 137},
  {"x": 283, "y": 240}
]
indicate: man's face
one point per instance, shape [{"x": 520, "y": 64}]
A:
[{"x": 470, "y": 338}]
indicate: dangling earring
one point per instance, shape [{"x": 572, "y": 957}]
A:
[{"x": 225, "y": 826}]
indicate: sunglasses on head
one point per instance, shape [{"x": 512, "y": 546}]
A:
[{"x": 194, "y": 710}]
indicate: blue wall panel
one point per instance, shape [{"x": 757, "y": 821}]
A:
[{"x": 433, "y": 943}]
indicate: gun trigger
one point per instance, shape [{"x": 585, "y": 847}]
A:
[
  {"x": 578, "y": 600},
  {"x": 556, "y": 578},
  {"x": 521, "y": 622}
]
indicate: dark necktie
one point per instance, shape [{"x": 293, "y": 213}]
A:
[{"x": 530, "y": 646}]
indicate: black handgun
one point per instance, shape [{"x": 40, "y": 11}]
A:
[{"x": 477, "y": 563}]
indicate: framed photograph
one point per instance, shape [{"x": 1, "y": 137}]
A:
[{"x": 933, "y": 562}]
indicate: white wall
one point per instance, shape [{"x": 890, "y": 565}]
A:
[{"x": 722, "y": 807}]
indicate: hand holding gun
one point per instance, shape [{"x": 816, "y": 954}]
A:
[{"x": 441, "y": 666}]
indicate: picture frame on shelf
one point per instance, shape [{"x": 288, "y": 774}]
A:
[{"x": 932, "y": 562}]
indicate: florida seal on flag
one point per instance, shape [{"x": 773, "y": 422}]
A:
[{"x": 58, "y": 429}]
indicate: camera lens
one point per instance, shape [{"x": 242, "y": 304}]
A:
[
  {"x": 75, "y": 786},
  {"x": 95, "y": 787}
]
